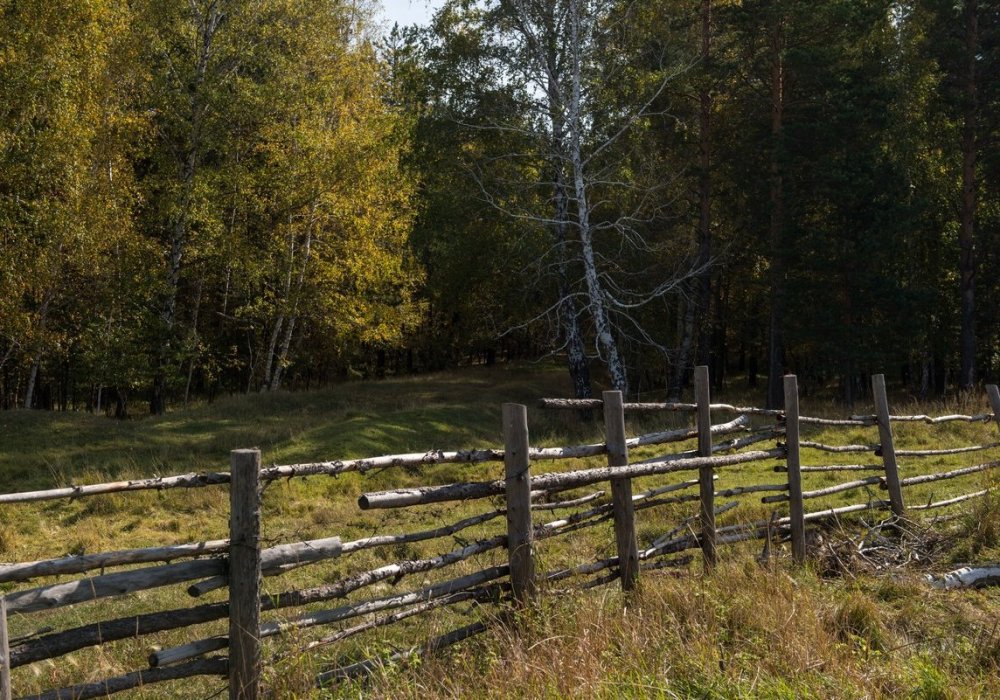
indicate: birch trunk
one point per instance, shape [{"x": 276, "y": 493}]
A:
[
  {"x": 179, "y": 230},
  {"x": 29, "y": 392},
  {"x": 271, "y": 347},
  {"x": 43, "y": 317},
  {"x": 576, "y": 356},
  {"x": 597, "y": 299},
  {"x": 282, "y": 360}
]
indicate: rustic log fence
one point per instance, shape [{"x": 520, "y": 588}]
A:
[{"x": 239, "y": 562}]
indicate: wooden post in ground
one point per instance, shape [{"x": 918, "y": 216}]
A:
[
  {"x": 994, "y": 395},
  {"x": 795, "y": 507},
  {"x": 244, "y": 576},
  {"x": 5, "y": 689},
  {"x": 706, "y": 475},
  {"x": 621, "y": 491},
  {"x": 887, "y": 448},
  {"x": 520, "y": 547}
]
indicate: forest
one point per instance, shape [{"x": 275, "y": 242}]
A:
[{"x": 207, "y": 197}]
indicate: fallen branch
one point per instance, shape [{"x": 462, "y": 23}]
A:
[{"x": 967, "y": 577}]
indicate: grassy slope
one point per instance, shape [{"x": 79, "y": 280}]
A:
[{"x": 813, "y": 636}]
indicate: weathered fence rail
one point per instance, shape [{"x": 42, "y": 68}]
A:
[{"x": 239, "y": 562}]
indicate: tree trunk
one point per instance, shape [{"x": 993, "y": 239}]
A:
[
  {"x": 576, "y": 355},
  {"x": 683, "y": 362},
  {"x": 179, "y": 230},
  {"x": 283, "y": 355},
  {"x": 776, "y": 344},
  {"x": 966, "y": 233},
  {"x": 597, "y": 300},
  {"x": 272, "y": 347},
  {"x": 29, "y": 392},
  {"x": 704, "y": 279}
]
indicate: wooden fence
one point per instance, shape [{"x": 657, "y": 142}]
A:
[{"x": 240, "y": 562}]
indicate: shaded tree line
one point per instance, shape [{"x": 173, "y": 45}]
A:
[
  {"x": 768, "y": 186},
  {"x": 207, "y": 196}
]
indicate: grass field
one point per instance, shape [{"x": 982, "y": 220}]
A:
[{"x": 744, "y": 631}]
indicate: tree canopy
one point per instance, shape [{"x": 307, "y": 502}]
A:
[{"x": 206, "y": 196}]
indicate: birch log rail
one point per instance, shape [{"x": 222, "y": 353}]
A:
[
  {"x": 827, "y": 468},
  {"x": 964, "y": 471},
  {"x": 158, "y": 483},
  {"x": 335, "y": 467},
  {"x": 951, "y": 501},
  {"x": 829, "y": 490},
  {"x": 932, "y": 420},
  {"x": 25, "y": 571},
  {"x": 564, "y": 480},
  {"x": 837, "y": 448},
  {"x": 346, "y": 612},
  {"x": 61, "y": 594}
]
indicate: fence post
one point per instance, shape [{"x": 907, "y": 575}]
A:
[
  {"x": 244, "y": 575},
  {"x": 706, "y": 475},
  {"x": 5, "y": 690},
  {"x": 887, "y": 448},
  {"x": 621, "y": 490},
  {"x": 795, "y": 508},
  {"x": 994, "y": 395},
  {"x": 520, "y": 535}
]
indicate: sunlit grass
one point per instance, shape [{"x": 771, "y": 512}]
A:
[{"x": 461, "y": 410}]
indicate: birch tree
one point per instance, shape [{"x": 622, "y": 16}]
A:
[{"x": 564, "y": 55}]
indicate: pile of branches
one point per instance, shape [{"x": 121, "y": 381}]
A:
[{"x": 890, "y": 545}]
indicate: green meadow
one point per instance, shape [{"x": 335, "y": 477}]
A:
[{"x": 745, "y": 630}]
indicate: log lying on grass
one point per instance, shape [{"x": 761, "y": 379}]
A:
[
  {"x": 561, "y": 480},
  {"x": 967, "y": 577}
]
